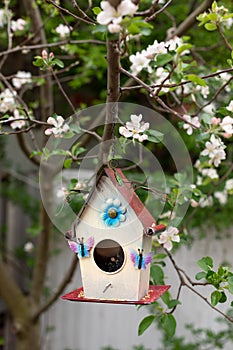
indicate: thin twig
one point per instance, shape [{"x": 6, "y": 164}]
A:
[
  {"x": 48, "y": 45},
  {"x": 228, "y": 45},
  {"x": 63, "y": 92},
  {"x": 70, "y": 13},
  {"x": 184, "y": 283},
  {"x": 157, "y": 98},
  {"x": 148, "y": 19}
]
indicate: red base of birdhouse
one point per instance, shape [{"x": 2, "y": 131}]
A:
[{"x": 154, "y": 293}]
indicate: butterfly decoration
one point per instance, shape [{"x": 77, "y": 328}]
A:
[
  {"x": 139, "y": 260},
  {"x": 82, "y": 249}
]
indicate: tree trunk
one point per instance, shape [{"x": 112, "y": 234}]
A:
[
  {"x": 113, "y": 93},
  {"x": 29, "y": 337}
]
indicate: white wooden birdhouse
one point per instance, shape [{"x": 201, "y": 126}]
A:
[{"x": 112, "y": 237}]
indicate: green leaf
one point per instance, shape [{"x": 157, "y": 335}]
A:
[
  {"x": 145, "y": 323},
  {"x": 100, "y": 29},
  {"x": 210, "y": 26},
  {"x": 195, "y": 79},
  {"x": 230, "y": 288},
  {"x": 157, "y": 275},
  {"x": 205, "y": 263},
  {"x": 184, "y": 47},
  {"x": 173, "y": 303},
  {"x": 230, "y": 280},
  {"x": 223, "y": 298},
  {"x": 163, "y": 59},
  {"x": 137, "y": 25},
  {"x": 154, "y": 136},
  {"x": 213, "y": 16},
  {"x": 96, "y": 10},
  {"x": 36, "y": 153},
  {"x": 166, "y": 298},
  {"x": 38, "y": 62},
  {"x": 200, "y": 275},
  {"x": 215, "y": 297},
  {"x": 160, "y": 256},
  {"x": 58, "y": 62},
  {"x": 168, "y": 323},
  {"x": 68, "y": 163}
]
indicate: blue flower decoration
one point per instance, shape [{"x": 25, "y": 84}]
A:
[{"x": 113, "y": 212}]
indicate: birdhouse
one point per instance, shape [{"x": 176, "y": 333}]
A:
[{"x": 112, "y": 238}]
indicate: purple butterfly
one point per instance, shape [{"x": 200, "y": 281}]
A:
[
  {"x": 81, "y": 248},
  {"x": 139, "y": 260}
]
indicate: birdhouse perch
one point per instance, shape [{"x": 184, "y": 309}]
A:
[{"x": 112, "y": 238}]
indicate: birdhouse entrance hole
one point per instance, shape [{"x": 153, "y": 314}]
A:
[{"x": 109, "y": 256}]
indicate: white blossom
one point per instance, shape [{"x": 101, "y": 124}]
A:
[
  {"x": 114, "y": 28},
  {"x": 21, "y": 78},
  {"x": 218, "y": 157},
  {"x": 168, "y": 236},
  {"x": 28, "y": 247},
  {"x": 59, "y": 128},
  {"x": 229, "y": 185},
  {"x": 63, "y": 30},
  {"x": 199, "y": 180},
  {"x": 62, "y": 192},
  {"x": 7, "y": 100},
  {"x": 157, "y": 48},
  {"x": 225, "y": 77},
  {"x": 139, "y": 62},
  {"x": 206, "y": 202},
  {"x": 209, "y": 109},
  {"x": 188, "y": 127},
  {"x": 184, "y": 89},
  {"x": 204, "y": 90},
  {"x": 221, "y": 196},
  {"x": 17, "y": 120},
  {"x": 142, "y": 59},
  {"x": 228, "y": 22},
  {"x": 112, "y": 15},
  {"x": 193, "y": 203},
  {"x": 227, "y": 124},
  {"x": 168, "y": 214},
  {"x": 162, "y": 76},
  {"x": 214, "y": 150},
  {"x": 135, "y": 128},
  {"x": 210, "y": 172},
  {"x": 19, "y": 24},
  {"x": 230, "y": 107}
]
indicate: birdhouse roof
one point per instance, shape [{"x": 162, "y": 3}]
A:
[{"x": 124, "y": 186}]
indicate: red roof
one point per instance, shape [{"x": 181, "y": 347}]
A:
[{"x": 127, "y": 191}]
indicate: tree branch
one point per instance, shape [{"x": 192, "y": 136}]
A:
[
  {"x": 184, "y": 283},
  {"x": 10, "y": 293},
  {"x": 67, "y": 278},
  {"x": 26, "y": 149},
  {"x": 113, "y": 94},
  {"x": 190, "y": 20},
  {"x": 43, "y": 245},
  {"x": 46, "y": 96}
]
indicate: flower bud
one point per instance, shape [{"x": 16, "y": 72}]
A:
[
  {"x": 51, "y": 55},
  {"x": 44, "y": 55}
]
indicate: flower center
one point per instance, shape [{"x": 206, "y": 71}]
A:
[{"x": 112, "y": 213}]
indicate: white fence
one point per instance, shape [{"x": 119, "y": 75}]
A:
[{"x": 82, "y": 326}]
